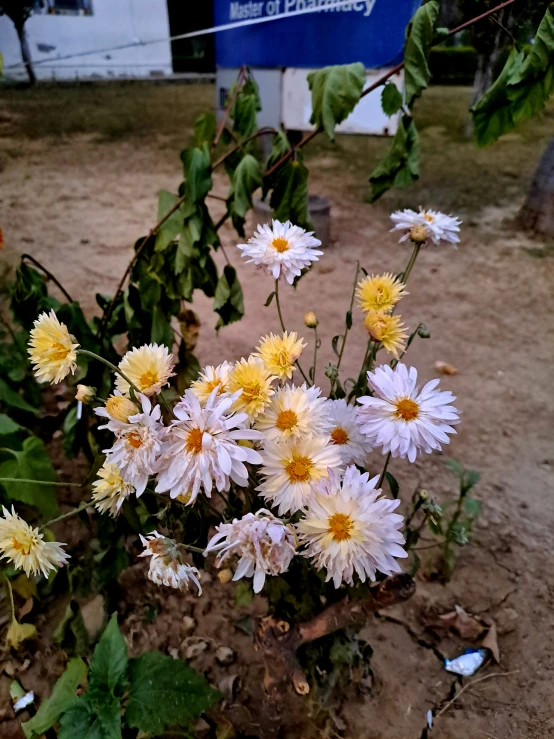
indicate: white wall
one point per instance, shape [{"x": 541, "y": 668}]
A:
[{"x": 113, "y": 23}]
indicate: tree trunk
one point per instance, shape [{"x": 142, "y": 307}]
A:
[
  {"x": 26, "y": 53},
  {"x": 537, "y": 214}
]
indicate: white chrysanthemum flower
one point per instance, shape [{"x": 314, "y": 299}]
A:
[
  {"x": 438, "y": 226},
  {"x": 211, "y": 378},
  {"x": 263, "y": 542},
  {"x": 118, "y": 410},
  {"x": 26, "y": 548},
  {"x": 292, "y": 466},
  {"x": 345, "y": 433},
  {"x": 52, "y": 349},
  {"x": 149, "y": 368},
  {"x": 285, "y": 250},
  {"x": 110, "y": 490},
  {"x": 401, "y": 418},
  {"x": 201, "y": 447},
  {"x": 279, "y": 353},
  {"x": 293, "y": 412},
  {"x": 167, "y": 566},
  {"x": 138, "y": 448},
  {"x": 348, "y": 528}
]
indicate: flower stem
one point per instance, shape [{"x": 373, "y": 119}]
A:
[
  {"x": 278, "y": 302},
  {"x": 384, "y": 472},
  {"x": 350, "y": 310},
  {"x": 9, "y": 593},
  {"x": 190, "y": 548},
  {"x": 39, "y": 482},
  {"x": 74, "y": 512},
  {"x": 315, "y": 354},
  {"x": 411, "y": 263},
  {"x": 110, "y": 365}
]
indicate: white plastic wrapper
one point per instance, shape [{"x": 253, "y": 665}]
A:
[{"x": 466, "y": 664}]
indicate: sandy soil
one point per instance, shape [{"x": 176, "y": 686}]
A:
[{"x": 79, "y": 207}]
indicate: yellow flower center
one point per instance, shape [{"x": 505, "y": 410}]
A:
[
  {"x": 339, "y": 436},
  {"x": 428, "y": 217},
  {"x": 60, "y": 351},
  {"x": 194, "y": 441},
  {"x": 24, "y": 547},
  {"x": 407, "y": 409},
  {"x": 339, "y": 526},
  {"x": 298, "y": 469},
  {"x": 120, "y": 408},
  {"x": 286, "y": 420},
  {"x": 280, "y": 244},
  {"x": 134, "y": 440},
  {"x": 212, "y": 384},
  {"x": 251, "y": 392},
  {"x": 184, "y": 497},
  {"x": 149, "y": 378}
]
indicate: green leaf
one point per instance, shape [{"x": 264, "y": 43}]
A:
[
  {"x": 32, "y": 462},
  {"x": 7, "y": 426},
  {"x": 84, "y": 720},
  {"x": 30, "y": 295},
  {"x": 171, "y": 228},
  {"x": 228, "y": 299},
  {"x": 391, "y": 99},
  {"x": 198, "y": 174},
  {"x": 419, "y": 39},
  {"x": 246, "y": 180},
  {"x": 243, "y": 594},
  {"x": 246, "y": 105},
  {"x": 109, "y": 661},
  {"x": 393, "y": 484},
  {"x": 469, "y": 479},
  {"x": 455, "y": 467},
  {"x": 165, "y": 692},
  {"x": 63, "y": 695},
  {"x": 13, "y": 399},
  {"x": 472, "y": 507},
  {"x": 269, "y": 299},
  {"x": 71, "y": 633},
  {"x": 400, "y": 166},
  {"x": 289, "y": 199},
  {"x": 205, "y": 128},
  {"x": 72, "y": 439},
  {"x": 335, "y": 93}
]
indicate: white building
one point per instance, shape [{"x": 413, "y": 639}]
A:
[{"x": 60, "y": 28}]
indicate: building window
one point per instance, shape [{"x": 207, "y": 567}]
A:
[{"x": 63, "y": 7}]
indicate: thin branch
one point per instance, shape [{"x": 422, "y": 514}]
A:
[
  {"x": 49, "y": 274},
  {"x": 228, "y": 107},
  {"x": 471, "y": 684},
  {"x": 260, "y": 132}
]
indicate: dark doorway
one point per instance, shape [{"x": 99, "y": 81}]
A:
[{"x": 191, "y": 54}]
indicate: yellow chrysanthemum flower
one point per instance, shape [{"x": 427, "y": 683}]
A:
[
  {"x": 26, "y": 548},
  {"x": 387, "y": 329},
  {"x": 279, "y": 353},
  {"x": 110, "y": 490},
  {"x": 120, "y": 408},
  {"x": 211, "y": 378},
  {"x": 254, "y": 379},
  {"x": 52, "y": 349},
  {"x": 149, "y": 368},
  {"x": 379, "y": 293}
]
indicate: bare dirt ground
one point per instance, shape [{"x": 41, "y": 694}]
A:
[{"x": 78, "y": 206}]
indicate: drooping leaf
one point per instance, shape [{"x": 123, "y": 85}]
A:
[
  {"x": 393, "y": 484},
  {"x": 84, "y": 720},
  {"x": 11, "y": 398},
  {"x": 391, "y": 99},
  {"x": 71, "y": 633},
  {"x": 289, "y": 198},
  {"x": 228, "y": 299},
  {"x": 419, "y": 39},
  {"x": 247, "y": 178},
  {"x": 198, "y": 174},
  {"x": 63, "y": 695},
  {"x": 7, "y": 425},
  {"x": 335, "y": 93},
  {"x": 170, "y": 229},
  {"x": 246, "y": 106},
  {"x": 32, "y": 462},
  {"x": 165, "y": 692},
  {"x": 400, "y": 165},
  {"x": 30, "y": 295},
  {"x": 109, "y": 661},
  {"x": 18, "y": 633},
  {"x": 205, "y": 128}
]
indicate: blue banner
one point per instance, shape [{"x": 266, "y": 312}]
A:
[{"x": 367, "y": 31}]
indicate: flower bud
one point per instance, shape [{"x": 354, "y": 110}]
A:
[
  {"x": 225, "y": 575},
  {"x": 120, "y": 408},
  {"x": 419, "y": 234},
  {"x": 184, "y": 498},
  {"x": 85, "y": 393},
  {"x": 423, "y": 494},
  {"x": 310, "y": 319}
]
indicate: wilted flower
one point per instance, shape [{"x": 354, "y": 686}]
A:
[
  {"x": 389, "y": 330},
  {"x": 85, "y": 394},
  {"x": 401, "y": 418},
  {"x": 292, "y": 466},
  {"x": 201, "y": 447},
  {"x": 149, "y": 368},
  {"x": 379, "y": 293},
  {"x": 211, "y": 378},
  {"x": 285, "y": 250},
  {"x": 348, "y": 528},
  {"x": 26, "y": 548},
  {"x": 293, "y": 412},
  {"x": 345, "y": 433},
  {"x": 280, "y": 353},
  {"x": 263, "y": 542},
  {"x": 439, "y": 227},
  {"x": 167, "y": 566},
  {"x": 138, "y": 446},
  {"x": 52, "y": 349},
  {"x": 110, "y": 490},
  {"x": 254, "y": 379}
]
